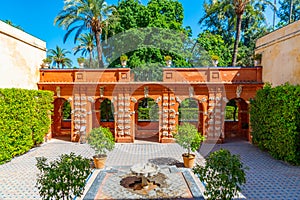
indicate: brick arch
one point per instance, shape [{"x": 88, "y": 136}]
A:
[
  {"x": 239, "y": 128},
  {"x": 146, "y": 130},
  {"x": 57, "y": 125},
  {"x": 199, "y": 123},
  {"x": 96, "y": 114}
]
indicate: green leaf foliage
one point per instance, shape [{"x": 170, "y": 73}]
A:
[
  {"x": 146, "y": 33},
  {"x": 188, "y": 137},
  {"x": 63, "y": 178},
  {"x": 222, "y": 175},
  {"x": 101, "y": 140},
  {"x": 214, "y": 45},
  {"x": 275, "y": 121},
  {"x": 24, "y": 120},
  {"x": 284, "y": 12},
  {"x": 220, "y": 18}
]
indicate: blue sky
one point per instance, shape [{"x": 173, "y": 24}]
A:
[{"x": 36, "y": 18}]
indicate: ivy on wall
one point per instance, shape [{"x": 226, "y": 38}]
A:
[
  {"x": 24, "y": 120},
  {"x": 275, "y": 121}
]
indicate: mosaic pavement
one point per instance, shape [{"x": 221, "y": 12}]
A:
[{"x": 266, "y": 178}]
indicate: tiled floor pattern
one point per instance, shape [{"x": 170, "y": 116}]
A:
[
  {"x": 266, "y": 178},
  {"x": 173, "y": 185}
]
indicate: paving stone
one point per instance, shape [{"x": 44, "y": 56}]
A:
[{"x": 267, "y": 178}]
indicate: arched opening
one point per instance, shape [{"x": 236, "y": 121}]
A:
[
  {"x": 104, "y": 114},
  {"x": 237, "y": 119},
  {"x": 190, "y": 111},
  {"x": 61, "y": 118},
  {"x": 147, "y": 120}
]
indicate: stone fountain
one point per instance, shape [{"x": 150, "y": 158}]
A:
[{"x": 145, "y": 170}]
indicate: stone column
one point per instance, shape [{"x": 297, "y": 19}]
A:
[
  {"x": 80, "y": 113},
  {"x": 165, "y": 117},
  {"x": 215, "y": 119},
  {"x": 123, "y": 118}
]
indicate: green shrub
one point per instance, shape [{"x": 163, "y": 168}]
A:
[
  {"x": 188, "y": 114},
  {"x": 101, "y": 140},
  {"x": 188, "y": 137},
  {"x": 275, "y": 121},
  {"x": 63, "y": 178},
  {"x": 24, "y": 120},
  {"x": 223, "y": 175}
]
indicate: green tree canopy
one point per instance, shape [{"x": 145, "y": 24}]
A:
[
  {"x": 146, "y": 33},
  {"x": 288, "y": 12},
  {"x": 214, "y": 45},
  {"x": 239, "y": 22}
]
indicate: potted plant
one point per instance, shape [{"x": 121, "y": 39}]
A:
[
  {"x": 46, "y": 62},
  {"x": 190, "y": 139},
  {"x": 168, "y": 60},
  {"x": 80, "y": 61},
  {"x": 101, "y": 140},
  {"x": 123, "y": 60},
  {"x": 215, "y": 60},
  {"x": 257, "y": 59}
]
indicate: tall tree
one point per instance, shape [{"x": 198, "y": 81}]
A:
[
  {"x": 289, "y": 11},
  {"x": 83, "y": 15},
  {"x": 86, "y": 45},
  {"x": 58, "y": 55},
  {"x": 239, "y": 7},
  {"x": 235, "y": 19},
  {"x": 214, "y": 45},
  {"x": 146, "y": 33}
]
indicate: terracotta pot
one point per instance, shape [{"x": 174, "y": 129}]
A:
[
  {"x": 188, "y": 160},
  {"x": 99, "y": 161}
]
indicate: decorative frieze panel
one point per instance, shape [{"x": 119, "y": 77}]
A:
[{"x": 123, "y": 115}]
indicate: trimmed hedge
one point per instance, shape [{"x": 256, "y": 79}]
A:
[
  {"x": 275, "y": 121},
  {"x": 24, "y": 120}
]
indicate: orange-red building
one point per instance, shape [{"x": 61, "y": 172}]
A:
[{"x": 211, "y": 88}]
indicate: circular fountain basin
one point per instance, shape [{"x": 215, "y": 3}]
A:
[{"x": 145, "y": 169}]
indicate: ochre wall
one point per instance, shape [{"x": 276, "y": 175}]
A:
[
  {"x": 20, "y": 58},
  {"x": 281, "y": 55}
]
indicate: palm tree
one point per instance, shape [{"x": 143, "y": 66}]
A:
[
  {"x": 227, "y": 16},
  {"x": 86, "y": 45},
  {"x": 239, "y": 8},
  {"x": 58, "y": 55},
  {"x": 81, "y": 15}
]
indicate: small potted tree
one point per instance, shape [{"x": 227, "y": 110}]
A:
[
  {"x": 46, "y": 62},
  {"x": 101, "y": 140},
  {"x": 80, "y": 61},
  {"x": 257, "y": 59},
  {"x": 168, "y": 60},
  {"x": 190, "y": 139},
  {"x": 215, "y": 60},
  {"x": 123, "y": 60}
]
